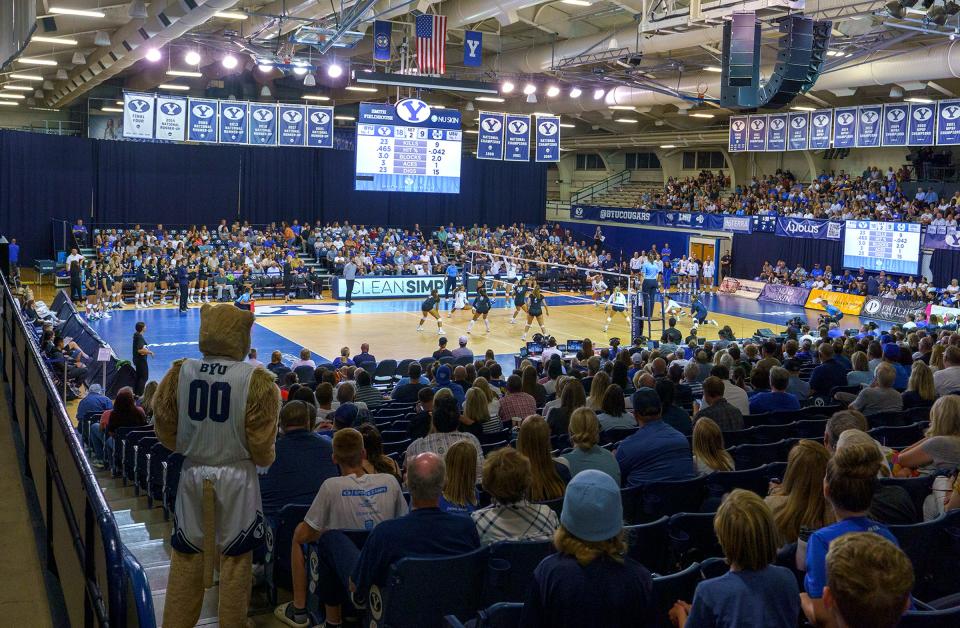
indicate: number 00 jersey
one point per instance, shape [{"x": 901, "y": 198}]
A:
[{"x": 212, "y": 401}]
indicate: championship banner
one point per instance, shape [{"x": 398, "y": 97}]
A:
[
  {"x": 941, "y": 237},
  {"x": 784, "y": 295},
  {"x": 745, "y": 288},
  {"x": 757, "y": 134},
  {"x": 809, "y": 228},
  {"x": 922, "y": 118},
  {"x": 548, "y": 138},
  {"x": 869, "y": 119},
  {"x": 138, "y": 115},
  {"x": 895, "y": 122},
  {"x": 387, "y": 287},
  {"x": 263, "y": 124},
  {"x": 517, "y": 144},
  {"x": 777, "y": 132},
  {"x": 845, "y": 127},
  {"x": 490, "y": 138},
  {"x": 233, "y": 122},
  {"x": 171, "y": 118},
  {"x": 948, "y": 122},
  {"x": 893, "y": 310},
  {"x": 472, "y": 49},
  {"x": 381, "y": 40},
  {"x": 799, "y": 128},
  {"x": 738, "y": 134},
  {"x": 319, "y": 126},
  {"x": 292, "y": 126},
  {"x": 821, "y": 123},
  {"x": 202, "y": 120},
  {"x": 846, "y": 303}
]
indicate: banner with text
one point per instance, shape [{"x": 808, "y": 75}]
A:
[
  {"x": 809, "y": 228},
  {"x": 868, "y": 125},
  {"x": 202, "y": 120},
  {"x": 738, "y": 134},
  {"x": 777, "y": 132},
  {"x": 138, "y": 115},
  {"x": 746, "y": 288},
  {"x": 821, "y": 124},
  {"x": 233, "y": 122},
  {"x": 948, "y": 122},
  {"x": 799, "y": 130},
  {"x": 319, "y": 126},
  {"x": 943, "y": 312},
  {"x": 893, "y": 310},
  {"x": 518, "y": 138},
  {"x": 171, "y": 118},
  {"x": 846, "y": 303},
  {"x": 548, "y": 138},
  {"x": 291, "y": 130},
  {"x": 656, "y": 218},
  {"x": 895, "y": 122},
  {"x": 490, "y": 135},
  {"x": 941, "y": 237},
  {"x": 263, "y": 124},
  {"x": 784, "y": 295}
]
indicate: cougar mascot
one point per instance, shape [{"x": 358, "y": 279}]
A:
[{"x": 220, "y": 413}]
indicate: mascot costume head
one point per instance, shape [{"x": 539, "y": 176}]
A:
[{"x": 220, "y": 413}]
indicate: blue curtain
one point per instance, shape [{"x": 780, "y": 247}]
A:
[
  {"x": 280, "y": 184},
  {"x": 750, "y": 251},
  {"x": 623, "y": 241},
  {"x": 945, "y": 266}
]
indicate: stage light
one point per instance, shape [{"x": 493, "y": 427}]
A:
[
  {"x": 192, "y": 58},
  {"x": 598, "y": 93},
  {"x": 309, "y": 81},
  {"x": 77, "y": 12},
  {"x": 529, "y": 88},
  {"x": 506, "y": 87},
  {"x": 575, "y": 92},
  {"x": 229, "y": 62},
  {"x": 153, "y": 55},
  {"x": 334, "y": 70}
]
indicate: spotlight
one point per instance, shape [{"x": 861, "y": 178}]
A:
[
  {"x": 299, "y": 70},
  {"x": 506, "y": 87},
  {"x": 229, "y": 62},
  {"x": 334, "y": 70},
  {"x": 532, "y": 99},
  {"x": 575, "y": 92},
  {"x": 309, "y": 81},
  {"x": 153, "y": 55},
  {"x": 529, "y": 89},
  {"x": 598, "y": 94},
  {"x": 553, "y": 91},
  {"x": 265, "y": 67},
  {"x": 192, "y": 58}
]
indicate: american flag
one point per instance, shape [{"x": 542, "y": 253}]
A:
[{"x": 431, "y": 43}]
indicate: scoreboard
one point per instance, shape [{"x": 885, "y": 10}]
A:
[
  {"x": 893, "y": 247},
  {"x": 408, "y": 147}
]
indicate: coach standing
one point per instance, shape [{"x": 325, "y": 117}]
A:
[
  {"x": 350, "y": 277},
  {"x": 140, "y": 353},
  {"x": 183, "y": 281}
]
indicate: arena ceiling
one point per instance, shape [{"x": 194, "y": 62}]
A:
[{"x": 655, "y": 61}]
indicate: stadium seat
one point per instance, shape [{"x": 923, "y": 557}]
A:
[
  {"x": 751, "y": 456},
  {"x": 311, "y": 558},
  {"x": 384, "y": 372},
  {"x": 810, "y": 428},
  {"x": 713, "y": 568},
  {"x": 511, "y": 569},
  {"x": 918, "y": 488},
  {"x": 494, "y": 437},
  {"x": 463, "y": 360},
  {"x": 403, "y": 369},
  {"x": 278, "y": 537},
  {"x": 939, "y": 618},
  {"x": 171, "y": 479},
  {"x": 692, "y": 537},
  {"x": 934, "y": 550},
  {"x": 455, "y": 586},
  {"x": 141, "y": 464},
  {"x": 556, "y": 505},
  {"x": 616, "y": 435},
  {"x": 491, "y": 447},
  {"x": 396, "y": 447},
  {"x": 426, "y": 362},
  {"x": 889, "y": 419},
  {"x": 304, "y": 374},
  {"x": 649, "y": 544},
  {"x": 129, "y": 452},
  {"x": 500, "y": 615},
  {"x": 897, "y": 437},
  {"x": 668, "y": 589},
  {"x": 719, "y": 483},
  {"x": 814, "y": 409},
  {"x": 156, "y": 472},
  {"x": 653, "y": 500}
]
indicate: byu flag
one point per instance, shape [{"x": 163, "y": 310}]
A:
[
  {"x": 845, "y": 127},
  {"x": 263, "y": 124},
  {"x": 381, "y": 40},
  {"x": 292, "y": 122},
  {"x": 233, "y": 122},
  {"x": 895, "y": 120},
  {"x": 490, "y": 137},
  {"x": 777, "y": 132},
  {"x": 138, "y": 115},
  {"x": 320, "y": 127},
  {"x": 920, "y": 130},
  {"x": 548, "y": 138},
  {"x": 738, "y": 134},
  {"x": 821, "y": 122},
  {"x": 757, "y": 133},
  {"x": 869, "y": 118},
  {"x": 948, "y": 122},
  {"x": 171, "y": 118},
  {"x": 472, "y": 48},
  {"x": 799, "y": 129},
  {"x": 202, "y": 120},
  {"x": 518, "y": 138}
]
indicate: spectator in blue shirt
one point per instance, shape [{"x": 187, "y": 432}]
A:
[
  {"x": 343, "y": 359},
  {"x": 304, "y": 460},
  {"x": 849, "y": 486},
  {"x": 778, "y": 399},
  {"x": 442, "y": 377},
  {"x": 365, "y": 360},
  {"x": 829, "y": 374},
  {"x": 656, "y": 452},
  {"x": 891, "y": 355},
  {"x": 94, "y": 403},
  {"x": 14, "y": 255},
  {"x": 754, "y": 592}
]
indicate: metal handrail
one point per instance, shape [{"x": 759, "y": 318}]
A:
[{"x": 600, "y": 187}]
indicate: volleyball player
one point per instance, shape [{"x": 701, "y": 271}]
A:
[
  {"x": 510, "y": 285},
  {"x": 193, "y": 269},
  {"x": 617, "y": 303},
  {"x": 459, "y": 300},
  {"x": 699, "y": 312},
  {"x": 693, "y": 274},
  {"x": 537, "y": 307},
  {"x": 203, "y": 275},
  {"x": 91, "y": 283},
  {"x": 105, "y": 287},
  {"x": 117, "y": 285},
  {"x": 520, "y": 289},
  {"x": 151, "y": 275},
  {"x": 496, "y": 271},
  {"x": 598, "y": 290},
  {"x": 682, "y": 273},
  {"x": 481, "y": 308},
  {"x": 666, "y": 262},
  {"x": 429, "y": 307},
  {"x": 139, "y": 284}
]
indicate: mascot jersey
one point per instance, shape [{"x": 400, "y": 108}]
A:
[{"x": 211, "y": 434}]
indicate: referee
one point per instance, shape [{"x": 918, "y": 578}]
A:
[{"x": 140, "y": 353}]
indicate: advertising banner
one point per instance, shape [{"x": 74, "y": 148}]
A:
[
  {"x": 893, "y": 310},
  {"x": 847, "y": 303},
  {"x": 784, "y": 295}
]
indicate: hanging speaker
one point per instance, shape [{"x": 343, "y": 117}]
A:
[
  {"x": 744, "y": 50},
  {"x": 818, "y": 55}
]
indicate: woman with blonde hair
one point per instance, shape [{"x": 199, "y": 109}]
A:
[
  {"x": 555, "y": 402},
  {"x": 584, "y": 432},
  {"x": 860, "y": 375},
  {"x": 146, "y": 400},
  {"x": 940, "y": 447},
  {"x": 460, "y": 491},
  {"x": 708, "y": 452},
  {"x": 798, "y": 502},
  {"x": 921, "y": 391},
  {"x": 476, "y": 417},
  {"x": 936, "y": 357},
  {"x": 598, "y": 388},
  {"x": 589, "y": 581},
  {"x": 548, "y": 478}
]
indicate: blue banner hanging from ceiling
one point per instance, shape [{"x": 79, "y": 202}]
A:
[
  {"x": 869, "y": 118},
  {"x": 202, "y": 121},
  {"x": 291, "y": 130},
  {"x": 548, "y": 138},
  {"x": 922, "y": 120},
  {"x": 738, "y": 134},
  {"x": 798, "y": 130},
  {"x": 757, "y": 133},
  {"x": 821, "y": 124},
  {"x": 319, "y": 126},
  {"x": 518, "y": 137},
  {"x": 845, "y": 127},
  {"x": 233, "y": 122},
  {"x": 263, "y": 124},
  {"x": 948, "y": 122},
  {"x": 381, "y": 40},
  {"x": 490, "y": 135},
  {"x": 472, "y": 49},
  {"x": 895, "y": 121},
  {"x": 777, "y": 132}
]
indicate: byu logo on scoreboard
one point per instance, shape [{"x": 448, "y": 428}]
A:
[
  {"x": 951, "y": 112},
  {"x": 139, "y": 105},
  {"x": 437, "y": 134},
  {"x": 845, "y": 118},
  {"x": 383, "y": 130},
  {"x": 203, "y": 111},
  {"x": 895, "y": 115},
  {"x": 171, "y": 108},
  {"x": 263, "y": 115},
  {"x": 737, "y": 125},
  {"x": 821, "y": 120},
  {"x": 319, "y": 117},
  {"x": 233, "y": 113},
  {"x": 868, "y": 117},
  {"x": 292, "y": 116},
  {"x": 921, "y": 114},
  {"x": 519, "y": 127},
  {"x": 758, "y": 124},
  {"x": 547, "y": 128},
  {"x": 799, "y": 122},
  {"x": 492, "y": 125},
  {"x": 776, "y": 124},
  {"x": 412, "y": 110}
]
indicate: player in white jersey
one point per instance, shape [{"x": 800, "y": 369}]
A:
[
  {"x": 496, "y": 272},
  {"x": 693, "y": 271},
  {"x": 617, "y": 303},
  {"x": 682, "y": 278},
  {"x": 598, "y": 290},
  {"x": 459, "y": 300}
]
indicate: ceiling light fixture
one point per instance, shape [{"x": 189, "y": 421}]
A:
[
  {"x": 111, "y": 109},
  {"x": 77, "y": 12},
  {"x": 701, "y": 115},
  {"x": 264, "y": 67},
  {"x": 101, "y": 38},
  {"x": 529, "y": 88},
  {"x": 231, "y": 15},
  {"x": 9, "y": 103},
  {"x": 919, "y": 100},
  {"x": 78, "y": 58},
  {"x": 12, "y": 96},
  {"x": 63, "y": 41},
  {"x": 712, "y": 68},
  {"x": 309, "y": 81},
  {"x": 627, "y": 120},
  {"x": 334, "y": 70},
  {"x": 19, "y": 88},
  {"x": 490, "y": 99},
  {"x": 189, "y": 73},
  {"x": 598, "y": 93},
  {"x": 621, "y": 107},
  {"x": 668, "y": 146},
  {"x": 317, "y": 97},
  {"x": 358, "y": 88},
  {"x": 567, "y": 125},
  {"x": 346, "y": 118},
  {"x": 153, "y": 55},
  {"x": 26, "y": 77},
  {"x": 192, "y": 58},
  {"x": 531, "y": 99},
  {"x": 61, "y": 75},
  {"x": 575, "y": 92},
  {"x": 299, "y": 70},
  {"x": 471, "y": 131},
  {"x": 36, "y": 61},
  {"x": 553, "y": 91},
  {"x": 229, "y": 62},
  {"x": 803, "y": 108},
  {"x": 507, "y": 87},
  {"x": 174, "y": 86},
  {"x": 576, "y": 3}
]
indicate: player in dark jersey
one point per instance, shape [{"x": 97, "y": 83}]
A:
[
  {"x": 536, "y": 308},
  {"x": 520, "y": 291},
  {"x": 166, "y": 280},
  {"x": 116, "y": 295},
  {"x": 151, "y": 272},
  {"x": 140, "y": 284},
  {"x": 91, "y": 283},
  {"x": 193, "y": 269},
  {"x": 430, "y": 307},
  {"x": 699, "y": 313},
  {"x": 481, "y": 308},
  {"x": 203, "y": 273}
]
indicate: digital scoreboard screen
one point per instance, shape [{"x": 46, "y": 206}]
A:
[
  {"x": 893, "y": 247},
  {"x": 408, "y": 147}
]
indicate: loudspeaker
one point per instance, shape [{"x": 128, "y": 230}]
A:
[
  {"x": 744, "y": 49},
  {"x": 793, "y": 62},
  {"x": 818, "y": 53}
]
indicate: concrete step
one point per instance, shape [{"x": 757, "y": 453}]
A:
[
  {"x": 118, "y": 491},
  {"x": 140, "y": 532},
  {"x": 127, "y": 503},
  {"x": 129, "y": 517},
  {"x": 151, "y": 553}
]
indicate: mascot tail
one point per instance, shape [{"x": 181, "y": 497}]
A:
[{"x": 209, "y": 533}]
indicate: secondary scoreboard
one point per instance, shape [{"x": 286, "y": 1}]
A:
[
  {"x": 408, "y": 147},
  {"x": 890, "y": 246}
]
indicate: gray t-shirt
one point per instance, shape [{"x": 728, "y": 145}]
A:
[
  {"x": 349, "y": 270},
  {"x": 876, "y": 400},
  {"x": 594, "y": 458},
  {"x": 945, "y": 451},
  {"x": 356, "y": 502}
]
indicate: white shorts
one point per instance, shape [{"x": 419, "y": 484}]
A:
[{"x": 239, "y": 512}]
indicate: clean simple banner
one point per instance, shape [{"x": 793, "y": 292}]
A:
[
  {"x": 138, "y": 115},
  {"x": 292, "y": 125},
  {"x": 757, "y": 133},
  {"x": 548, "y": 138},
  {"x": 845, "y": 127},
  {"x": 381, "y": 40},
  {"x": 777, "y": 132},
  {"x": 518, "y": 137},
  {"x": 202, "y": 120},
  {"x": 490, "y": 137},
  {"x": 263, "y": 124},
  {"x": 784, "y": 295},
  {"x": 941, "y": 237},
  {"x": 799, "y": 131},
  {"x": 869, "y": 120},
  {"x": 472, "y": 49},
  {"x": 922, "y": 122},
  {"x": 233, "y": 122},
  {"x": 948, "y": 122},
  {"x": 809, "y": 228},
  {"x": 821, "y": 123},
  {"x": 896, "y": 118},
  {"x": 319, "y": 126},
  {"x": 171, "y": 118}
]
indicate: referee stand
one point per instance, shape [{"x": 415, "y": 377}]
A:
[{"x": 638, "y": 317}]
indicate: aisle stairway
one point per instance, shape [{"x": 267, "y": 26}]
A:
[{"x": 627, "y": 194}]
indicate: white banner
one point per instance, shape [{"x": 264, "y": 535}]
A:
[
  {"x": 171, "y": 118},
  {"x": 138, "y": 110}
]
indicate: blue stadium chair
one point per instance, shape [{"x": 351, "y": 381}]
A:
[
  {"x": 562, "y": 441},
  {"x": 919, "y": 414},
  {"x": 810, "y": 428},
  {"x": 823, "y": 409},
  {"x": 171, "y": 480},
  {"x": 649, "y": 544},
  {"x": 116, "y": 462},
  {"x": 403, "y": 369},
  {"x": 141, "y": 464},
  {"x": 281, "y": 372},
  {"x": 937, "y": 618},
  {"x": 653, "y": 500},
  {"x": 426, "y": 362},
  {"x": 491, "y": 447},
  {"x": 495, "y": 437},
  {"x": 279, "y": 537},
  {"x": 556, "y": 505},
  {"x": 312, "y": 560},
  {"x": 305, "y": 374},
  {"x": 455, "y": 586},
  {"x": 156, "y": 470},
  {"x": 692, "y": 537},
  {"x": 668, "y": 589},
  {"x": 889, "y": 419},
  {"x": 393, "y": 435},
  {"x": 713, "y": 568},
  {"x": 463, "y": 360},
  {"x": 771, "y": 418},
  {"x": 396, "y": 447},
  {"x": 128, "y": 451},
  {"x": 511, "y": 569},
  {"x": 761, "y": 434},
  {"x": 897, "y": 437},
  {"x": 757, "y": 480},
  {"x": 384, "y": 372},
  {"x": 500, "y": 615},
  {"x": 752, "y": 456},
  {"x": 918, "y": 488},
  {"x": 934, "y": 550},
  {"x": 446, "y": 360},
  {"x": 735, "y": 437}
]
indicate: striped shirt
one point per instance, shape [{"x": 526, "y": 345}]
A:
[
  {"x": 521, "y": 521},
  {"x": 440, "y": 442}
]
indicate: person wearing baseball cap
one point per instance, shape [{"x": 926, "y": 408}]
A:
[
  {"x": 891, "y": 355},
  {"x": 462, "y": 351},
  {"x": 589, "y": 581},
  {"x": 656, "y": 452}
]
